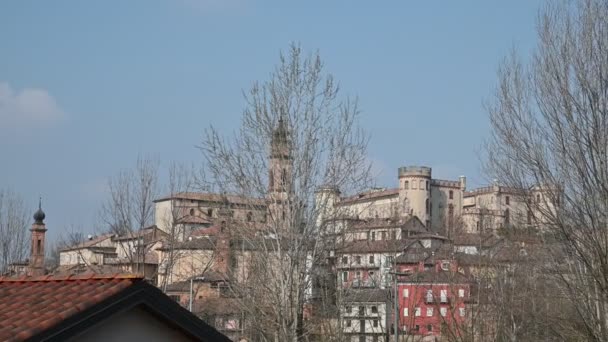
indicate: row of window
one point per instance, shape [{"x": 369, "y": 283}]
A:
[
  {"x": 357, "y": 260},
  {"x": 349, "y": 309},
  {"x": 430, "y": 312},
  {"x": 349, "y": 323},
  {"x": 443, "y": 294},
  {"x": 423, "y": 185},
  {"x": 357, "y": 275}
]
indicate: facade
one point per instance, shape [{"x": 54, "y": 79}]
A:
[
  {"x": 441, "y": 205},
  {"x": 364, "y": 315}
]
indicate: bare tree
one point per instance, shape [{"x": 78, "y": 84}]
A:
[
  {"x": 130, "y": 207},
  {"x": 13, "y": 229},
  {"x": 550, "y": 133},
  {"x": 297, "y": 134}
]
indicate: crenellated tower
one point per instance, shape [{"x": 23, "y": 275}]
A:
[{"x": 415, "y": 192}]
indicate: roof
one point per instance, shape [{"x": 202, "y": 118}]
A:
[
  {"x": 88, "y": 243},
  {"x": 60, "y": 307},
  {"x": 214, "y": 197},
  {"x": 441, "y": 277},
  {"x": 472, "y": 239},
  {"x": 368, "y": 195},
  {"x": 367, "y": 295},
  {"x": 148, "y": 233},
  {"x": 366, "y": 246}
]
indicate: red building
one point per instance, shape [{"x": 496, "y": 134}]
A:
[{"x": 432, "y": 294}]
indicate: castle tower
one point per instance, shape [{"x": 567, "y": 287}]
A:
[
  {"x": 415, "y": 192},
  {"x": 280, "y": 174},
  {"x": 38, "y": 231}
]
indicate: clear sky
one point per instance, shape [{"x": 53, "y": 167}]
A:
[{"x": 86, "y": 86}]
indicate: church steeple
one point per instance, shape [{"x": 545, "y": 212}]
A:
[
  {"x": 280, "y": 172},
  {"x": 38, "y": 232}
]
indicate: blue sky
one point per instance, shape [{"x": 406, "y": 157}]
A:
[{"x": 87, "y": 86}]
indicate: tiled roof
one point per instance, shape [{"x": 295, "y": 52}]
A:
[
  {"x": 366, "y": 246},
  {"x": 367, "y": 296},
  {"x": 436, "y": 278},
  {"x": 213, "y": 197},
  {"x": 88, "y": 243},
  {"x": 366, "y": 196},
  {"x": 472, "y": 239},
  {"x": 31, "y": 305}
]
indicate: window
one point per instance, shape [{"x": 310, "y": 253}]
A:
[
  {"x": 429, "y": 327},
  {"x": 345, "y": 260},
  {"x": 394, "y": 235},
  {"x": 209, "y": 212},
  {"x": 249, "y": 216},
  {"x": 389, "y": 259},
  {"x": 507, "y": 217},
  {"x": 371, "y": 259},
  {"x": 414, "y": 185},
  {"x": 428, "y": 207},
  {"x": 374, "y": 309},
  {"x": 429, "y": 296},
  {"x": 416, "y": 327},
  {"x": 406, "y": 185},
  {"x": 39, "y": 246},
  {"x": 421, "y": 185},
  {"x": 529, "y": 216},
  {"x": 358, "y": 260},
  {"x": 373, "y": 236},
  {"x": 191, "y": 212},
  {"x": 375, "y": 323},
  {"x": 451, "y": 194},
  {"x": 348, "y": 309},
  {"x": 445, "y": 265},
  {"x": 427, "y": 185},
  {"x": 444, "y": 296},
  {"x": 461, "y": 293},
  {"x": 461, "y": 312},
  {"x": 429, "y": 312},
  {"x": 358, "y": 274},
  {"x": 443, "y": 312},
  {"x": 348, "y": 323},
  {"x": 417, "y": 312},
  {"x": 371, "y": 274},
  {"x": 344, "y": 277},
  {"x": 507, "y": 200},
  {"x": 406, "y": 293},
  {"x": 478, "y": 225},
  {"x": 537, "y": 198},
  {"x": 405, "y": 312},
  {"x": 361, "y": 310}
]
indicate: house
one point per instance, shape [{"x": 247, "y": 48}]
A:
[
  {"x": 91, "y": 307},
  {"x": 364, "y": 314}
]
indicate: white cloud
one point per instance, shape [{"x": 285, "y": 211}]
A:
[{"x": 27, "y": 107}]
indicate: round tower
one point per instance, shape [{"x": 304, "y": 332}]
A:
[{"x": 415, "y": 192}]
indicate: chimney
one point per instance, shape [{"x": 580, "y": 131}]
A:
[{"x": 38, "y": 231}]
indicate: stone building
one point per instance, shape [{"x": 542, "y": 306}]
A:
[{"x": 441, "y": 205}]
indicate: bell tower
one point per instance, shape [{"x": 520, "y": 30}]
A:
[
  {"x": 280, "y": 174},
  {"x": 38, "y": 232}
]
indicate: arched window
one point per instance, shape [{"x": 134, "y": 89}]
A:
[
  {"x": 249, "y": 216},
  {"x": 406, "y": 185},
  {"x": 414, "y": 183},
  {"x": 451, "y": 194}
]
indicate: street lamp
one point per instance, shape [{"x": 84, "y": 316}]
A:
[
  {"x": 191, "y": 281},
  {"x": 396, "y": 304}
]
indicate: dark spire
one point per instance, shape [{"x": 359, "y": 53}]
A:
[
  {"x": 280, "y": 133},
  {"x": 39, "y": 214}
]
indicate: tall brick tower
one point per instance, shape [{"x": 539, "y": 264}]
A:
[
  {"x": 37, "y": 242},
  {"x": 280, "y": 175}
]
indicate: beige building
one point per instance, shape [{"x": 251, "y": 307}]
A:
[{"x": 441, "y": 205}]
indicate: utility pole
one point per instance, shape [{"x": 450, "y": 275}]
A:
[
  {"x": 395, "y": 274},
  {"x": 191, "y": 281}
]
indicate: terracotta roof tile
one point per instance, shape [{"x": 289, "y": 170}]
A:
[{"x": 29, "y": 305}]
